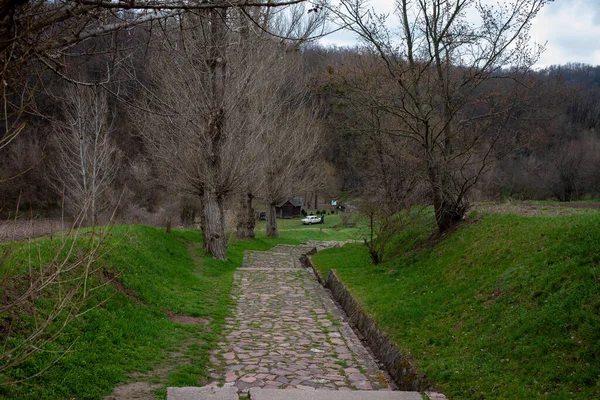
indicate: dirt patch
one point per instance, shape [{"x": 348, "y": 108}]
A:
[
  {"x": 141, "y": 388},
  {"x": 120, "y": 287},
  {"x": 135, "y": 390},
  {"x": 179, "y": 318},
  {"x": 185, "y": 319}
]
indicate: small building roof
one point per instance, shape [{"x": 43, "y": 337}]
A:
[{"x": 295, "y": 201}]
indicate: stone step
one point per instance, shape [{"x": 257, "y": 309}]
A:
[
  {"x": 295, "y": 394},
  {"x": 202, "y": 393},
  {"x": 231, "y": 393}
]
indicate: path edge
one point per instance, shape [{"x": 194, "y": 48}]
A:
[{"x": 399, "y": 366}]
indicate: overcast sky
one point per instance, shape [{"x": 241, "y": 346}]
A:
[{"x": 571, "y": 29}]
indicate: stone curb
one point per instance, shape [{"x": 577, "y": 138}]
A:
[{"x": 400, "y": 367}]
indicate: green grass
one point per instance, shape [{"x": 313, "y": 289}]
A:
[
  {"x": 505, "y": 308},
  {"x": 293, "y": 230},
  {"x": 122, "y": 335}
]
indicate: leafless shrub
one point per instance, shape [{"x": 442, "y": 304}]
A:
[
  {"x": 388, "y": 208},
  {"x": 382, "y": 224},
  {"x": 571, "y": 168},
  {"x": 348, "y": 219},
  {"x": 59, "y": 271}
]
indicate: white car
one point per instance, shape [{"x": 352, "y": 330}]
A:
[{"x": 311, "y": 219}]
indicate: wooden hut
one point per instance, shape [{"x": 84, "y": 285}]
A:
[{"x": 291, "y": 208}]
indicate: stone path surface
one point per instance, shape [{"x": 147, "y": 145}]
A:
[{"x": 287, "y": 333}]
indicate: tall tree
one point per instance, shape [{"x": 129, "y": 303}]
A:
[
  {"x": 197, "y": 118},
  {"x": 215, "y": 119},
  {"x": 261, "y": 106},
  {"x": 292, "y": 161},
  {"x": 438, "y": 67}
]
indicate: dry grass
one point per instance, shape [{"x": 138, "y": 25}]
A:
[
  {"x": 25, "y": 229},
  {"x": 531, "y": 209}
]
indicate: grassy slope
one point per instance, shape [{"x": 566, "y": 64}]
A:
[
  {"x": 123, "y": 336},
  {"x": 506, "y": 308}
]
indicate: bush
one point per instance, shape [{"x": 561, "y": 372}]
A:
[
  {"x": 347, "y": 220},
  {"x": 189, "y": 208},
  {"x": 303, "y": 212}
]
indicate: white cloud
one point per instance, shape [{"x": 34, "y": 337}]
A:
[{"x": 571, "y": 29}]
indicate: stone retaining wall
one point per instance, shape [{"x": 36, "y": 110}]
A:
[{"x": 398, "y": 366}]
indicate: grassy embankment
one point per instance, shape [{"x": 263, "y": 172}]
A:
[
  {"x": 127, "y": 335},
  {"x": 508, "y": 307}
]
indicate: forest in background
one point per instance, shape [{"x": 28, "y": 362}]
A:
[
  {"x": 550, "y": 151},
  {"x": 205, "y": 111}
]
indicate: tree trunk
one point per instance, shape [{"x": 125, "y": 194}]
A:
[
  {"x": 215, "y": 240},
  {"x": 246, "y": 219},
  {"x": 448, "y": 214},
  {"x": 374, "y": 257},
  {"x": 92, "y": 217},
  {"x": 272, "y": 230},
  {"x": 203, "y": 222},
  {"x": 448, "y": 211}
]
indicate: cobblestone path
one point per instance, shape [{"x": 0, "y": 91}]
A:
[{"x": 286, "y": 331}]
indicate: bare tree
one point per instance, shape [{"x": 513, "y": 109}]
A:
[
  {"x": 196, "y": 126},
  {"x": 87, "y": 160},
  {"x": 437, "y": 68},
  {"x": 292, "y": 165},
  {"x": 246, "y": 215},
  {"x": 214, "y": 103},
  {"x": 279, "y": 34},
  {"x": 292, "y": 161},
  {"x": 278, "y": 115},
  {"x": 43, "y": 28}
]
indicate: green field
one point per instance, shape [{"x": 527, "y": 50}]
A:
[
  {"x": 128, "y": 336},
  {"x": 508, "y": 307}
]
